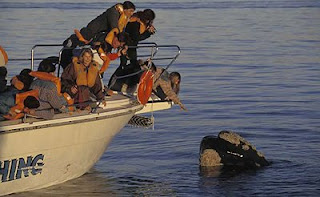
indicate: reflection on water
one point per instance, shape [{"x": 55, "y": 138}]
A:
[
  {"x": 90, "y": 184},
  {"x": 96, "y": 184}
]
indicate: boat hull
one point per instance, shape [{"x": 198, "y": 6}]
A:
[{"x": 43, "y": 155}]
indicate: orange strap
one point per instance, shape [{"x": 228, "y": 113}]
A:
[
  {"x": 145, "y": 87},
  {"x": 69, "y": 100},
  {"x": 80, "y": 37},
  {"x": 17, "y": 116}
]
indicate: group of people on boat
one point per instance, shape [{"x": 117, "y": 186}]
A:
[{"x": 86, "y": 56}]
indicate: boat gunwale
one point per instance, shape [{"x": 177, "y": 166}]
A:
[{"x": 33, "y": 123}]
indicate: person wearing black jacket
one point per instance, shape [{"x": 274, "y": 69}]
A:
[
  {"x": 114, "y": 17},
  {"x": 140, "y": 27}
]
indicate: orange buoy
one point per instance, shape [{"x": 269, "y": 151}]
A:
[
  {"x": 3, "y": 57},
  {"x": 145, "y": 87}
]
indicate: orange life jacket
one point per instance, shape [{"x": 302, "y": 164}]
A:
[
  {"x": 123, "y": 19},
  {"x": 111, "y": 35},
  {"x": 106, "y": 59},
  {"x": 85, "y": 77}
]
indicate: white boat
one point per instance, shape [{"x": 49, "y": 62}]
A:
[{"x": 37, "y": 153}]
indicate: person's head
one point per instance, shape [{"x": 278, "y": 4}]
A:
[
  {"x": 25, "y": 72},
  {"x": 147, "y": 16},
  {"x": 86, "y": 56},
  {"x": 31, "y": 102},
  {"x": 3, "y": 72},
  {"x": 175, "y": 78},
  {"x": 119, "y": 40},
  {"x": 124, "y": 38},
  {"x": 128, "y": 8},
  {"x": 47, "y": 65},
  {"x": 21, "y": 82}
]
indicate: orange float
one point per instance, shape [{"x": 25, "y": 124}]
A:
[{"x": 145, "y": 87}]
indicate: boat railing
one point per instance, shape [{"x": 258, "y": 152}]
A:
[{"x": 153, "y": 49}]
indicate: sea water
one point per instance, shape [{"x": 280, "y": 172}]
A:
[{"x": 252, "y": 67}]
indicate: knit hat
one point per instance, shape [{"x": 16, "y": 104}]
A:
[{"x": 48, "y": 65}]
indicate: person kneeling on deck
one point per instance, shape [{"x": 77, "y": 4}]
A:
[
  {"x": 17, "y": 99},
  {"x": 166, "y": 86},
  {"x": 81, "y": 79},
  {"x": 49, "y": 87}
]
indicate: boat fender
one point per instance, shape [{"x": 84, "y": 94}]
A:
[
  {"x": 145, "y": 87},
  {"x": 3, "y": 57}
]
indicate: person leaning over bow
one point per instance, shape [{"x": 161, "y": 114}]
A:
[
  {"x": 81, "y": 78},
  {"x": 116, "y": 16},
  {"x": 49, "y": 87},
  {"x": 140, "y": 27},
  {"x": 165, "y": 85}
]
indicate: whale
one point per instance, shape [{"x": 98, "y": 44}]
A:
[{"x": 229, "y": 149}]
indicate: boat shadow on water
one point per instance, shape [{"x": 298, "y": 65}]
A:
[{"x": 90, "y": 183}]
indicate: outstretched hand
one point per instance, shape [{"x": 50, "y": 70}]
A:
[
  {"x": 152, "y": 29},
  {"x": 123, "y": 51},
  {"x": 182, "y": 107}
]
